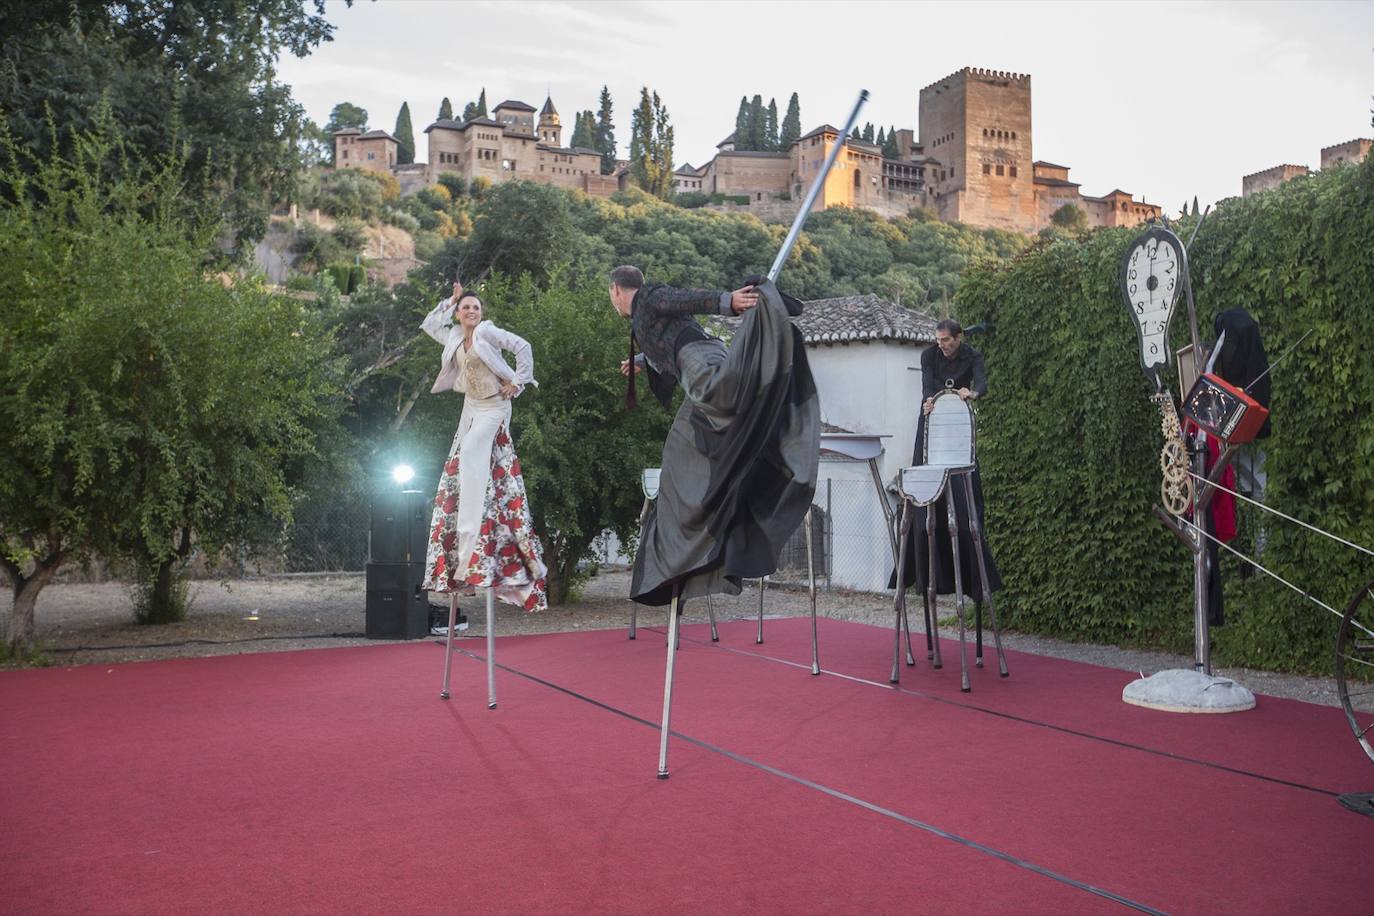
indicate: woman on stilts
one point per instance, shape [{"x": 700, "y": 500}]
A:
[{"x": 481, "y": 535}]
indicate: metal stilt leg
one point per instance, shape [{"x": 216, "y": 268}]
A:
[
  {"x": 668, "y": 685},
  {"x": 711, "y": 613},
  {"x": 448, "y": 645},
  {"x": 763, "y": 584},
  {"x": 811, "y": 582},
  {"x": 491, "y": 648},
  {"x": 899, "y": 597},
  {"x": 930, "y": 645},
  {"x": 906, "y": 625},
  {"x": 976, "y": 527},
  {"x": 932, "y": 604},
  {"x": 958, "y": 586},
  {"x": 634, "y": 608}
]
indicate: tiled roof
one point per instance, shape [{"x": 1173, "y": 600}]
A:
[
  {"x": 378, "y": 135},
  {"x": 1049, "y": 165},
  {"x": 1056, "y": 182},
  {"x": 514, "y": 105},
  {"x": 854, "y": 318},
  {"x": 548, "y": 108},
  {"x": 347, "y": 130},
  {"x": 823, "y": 127},
  {"x": 752, "y": 153}
]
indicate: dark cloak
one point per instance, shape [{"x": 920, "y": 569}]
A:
[{"x": 740, "y": 462}]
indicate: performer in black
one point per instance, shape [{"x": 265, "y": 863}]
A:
[
  {"x": 739, "y": 465},
  {"x": 949, "y": 365}
]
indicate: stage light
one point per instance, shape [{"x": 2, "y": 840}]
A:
[{"x": 402, "y": 473}]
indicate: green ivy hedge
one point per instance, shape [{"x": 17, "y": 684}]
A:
[{"x": 1069, "y": 442}]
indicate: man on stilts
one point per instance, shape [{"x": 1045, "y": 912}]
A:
[{"x": 740, "y": 461}]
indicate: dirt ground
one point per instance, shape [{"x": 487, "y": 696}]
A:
[{"x": 86, "y": 624}]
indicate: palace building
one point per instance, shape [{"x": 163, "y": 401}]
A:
[{"x": 969, "y": 160}]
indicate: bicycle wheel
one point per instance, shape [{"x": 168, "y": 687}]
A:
[{"x": 1355, "y": 664}]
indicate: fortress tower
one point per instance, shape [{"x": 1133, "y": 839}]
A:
[
  {"x": 550, "y": 125},
  {"x": 976, "y": 124}
]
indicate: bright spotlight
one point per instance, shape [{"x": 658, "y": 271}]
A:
[{"x": 402, "y": 473}]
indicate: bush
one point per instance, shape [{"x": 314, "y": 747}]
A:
[
  {"x": 314, "y": 247},
  {"x": 455, "y": 184},
  {"x": 349, "y": 192},
  {"x": 351, "y": 235},
  {"x": 347, "y": 278},
  {"x": 428, "y": 245},
  {"x": 436, "y": 197},
  {"x": 692, "y": 199},
  {"x": 401, "y": 220},
  {"x": 1069, "y": 442},
  {"x": 391, "y": 187}
]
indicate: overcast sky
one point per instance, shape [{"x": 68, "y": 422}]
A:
[{"x": 1164, "y": 100}]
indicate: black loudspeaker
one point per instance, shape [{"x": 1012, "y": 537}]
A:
[
  {"x": 399, "y": 527},
  {"x": 397, "y": 607}
]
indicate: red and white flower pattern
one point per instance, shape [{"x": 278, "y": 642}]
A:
[{"x": 507, "y": 555}]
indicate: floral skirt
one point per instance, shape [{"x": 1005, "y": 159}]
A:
[{"x": 481, "y": 535}]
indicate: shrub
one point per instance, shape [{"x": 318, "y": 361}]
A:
[
  {"x": 436, "y": 197},
  {"x": 456, "y": 185}
]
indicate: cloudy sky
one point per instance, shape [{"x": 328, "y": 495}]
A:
[{"x": 1166, "y": 100}]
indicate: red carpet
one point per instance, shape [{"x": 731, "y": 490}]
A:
[{"x": 337, "y": 781}]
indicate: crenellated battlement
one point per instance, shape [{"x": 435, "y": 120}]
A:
[{"x": 982, "y": 73}]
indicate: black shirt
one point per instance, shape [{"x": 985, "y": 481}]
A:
[{"x": 962, "y": 370}]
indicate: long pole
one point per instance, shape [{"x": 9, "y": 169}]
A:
[{"x": 815, "y": 189}]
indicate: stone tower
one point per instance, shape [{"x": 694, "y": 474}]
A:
[
  {"x": 977, "y": 124},
  {"x": 550, "y": 126}
]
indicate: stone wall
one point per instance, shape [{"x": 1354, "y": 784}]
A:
[
  {"x": 1269, "y": 178},
  {"x": 1350, "y": 151}
]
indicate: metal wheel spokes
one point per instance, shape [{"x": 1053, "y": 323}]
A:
[{"x": 1355, "y": 663}]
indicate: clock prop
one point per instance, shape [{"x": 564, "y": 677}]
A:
[{"x": 1154, "y": 275}]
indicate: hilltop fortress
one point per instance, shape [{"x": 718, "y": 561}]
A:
[{"x": 969, "y": 160}]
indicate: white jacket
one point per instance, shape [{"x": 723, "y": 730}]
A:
[{"x": 488, "y": 340}]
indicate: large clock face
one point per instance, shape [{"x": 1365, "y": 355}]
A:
[{"x": 1151, "y": 277}]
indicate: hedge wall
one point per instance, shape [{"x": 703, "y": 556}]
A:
[{"x": 1069, "y": 442}]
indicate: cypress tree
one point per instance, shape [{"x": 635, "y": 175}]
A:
[
  {"x": 770, "y": 126},
  {"x": 868, "y": 132},
  {"x": 742, "y": 124},
  {"x": 446, "y": 110},
  {"x": 469, "y": 111},
  {"x": 405, "y": 136},
  {"x": 791, "y": 124},
  {"x": 755, "y": 123},
  {"x": 482, "y": 104},
  {"x": 604, "y": 134}
]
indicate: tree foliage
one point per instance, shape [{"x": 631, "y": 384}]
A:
[
  {"x": 1068, "y": 441},
  {"x": 605, "y": 133},
  {"x": 344, "y": 115},
  {"x": 197, "y": 72},
  {"x": 405, "y": 136},
  {"x": 148, "y": 408},
  {"x": 651, "y": 146},
  {"x": 445, "y": 110},
  {"x": 790, "y": 130}
]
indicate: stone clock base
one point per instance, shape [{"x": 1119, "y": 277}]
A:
[{"x": 1187, "y": 690}]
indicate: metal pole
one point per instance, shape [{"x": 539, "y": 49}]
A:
[
  {"x": 491, "y": 648},
  {"x": 668, "y": 685},
  {"x": 815, "y": 190},
  {"x": 953, "y": 519},
  {"x": 829, "y": 541},
  {"x": 448, "y": 646},
  {"x": 1202, "y": 653},
  {"x": 711, "y": 613},
  {"x": 811, "y": 580},
  {"x": 899, "y": 597},
  {"x": 763, "y": 584},
  {"x": 976, "y": 527}
]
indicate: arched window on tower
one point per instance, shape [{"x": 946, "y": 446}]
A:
[{"x": 857, "y": 178}]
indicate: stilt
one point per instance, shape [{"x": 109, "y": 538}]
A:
[
  {"x": 763, "y": 584},
  {"x": 711, "y": 613},
  {"x": 448, "y": 645},
  {"x": 906, "y": 625},
  {"x": 899, "y": 597},
  {"x": 634, "y": 614},
  {"x": 668, "y": 684},
  {"x": 491, "y": 648},
  {"x": 958, "y": 587},
  {"x": 976, "y": 528},
  {"x": 634, "y": 608},
  {"x": 811, "y": 582},
  {"x": 930, "y": 646},
  {"x": 932, "y": 604}
]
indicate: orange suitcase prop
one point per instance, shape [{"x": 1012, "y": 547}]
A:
[{"x": 1223, "y": 410}]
